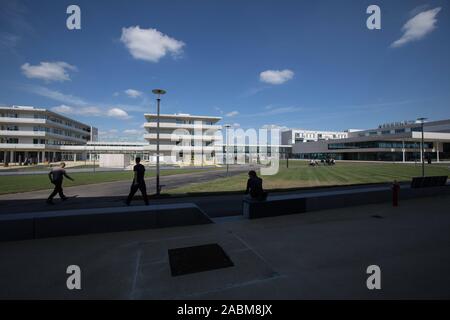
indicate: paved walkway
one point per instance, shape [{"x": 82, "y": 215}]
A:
[
  {"x": 318, "y": 255},
  {"x": 109, "y": 194}
]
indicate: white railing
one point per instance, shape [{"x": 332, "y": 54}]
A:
[
  {"x": 40, "y": 134},
  {"x": 170, "y": 125},
  {"x": 176, "y": 137},
  {"x": 22, "y": 146},
  {"x": 37, "y": 121}
]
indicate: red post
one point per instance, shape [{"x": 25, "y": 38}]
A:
[{"x": 395, "y": 193}]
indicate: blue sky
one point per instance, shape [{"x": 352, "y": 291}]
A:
[{"x": 300, "y": 64}]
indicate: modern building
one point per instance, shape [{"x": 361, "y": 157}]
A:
[
  {"x": 399, "y": 141},
  {"x": 38, "y": 135},
  {"x": 182, "y": 136},
  {"x": 292, "y": 136}
]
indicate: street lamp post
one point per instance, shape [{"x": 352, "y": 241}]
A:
[
  {"x": 227, "y": 126},
  {"x": 158, "y": 93},
  {"x": 422, "y": 149}
]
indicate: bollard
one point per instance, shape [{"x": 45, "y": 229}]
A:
[{"x": 395, "y": 193}]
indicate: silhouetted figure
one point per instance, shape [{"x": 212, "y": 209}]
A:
[
  {"x": 56, "y": 177},
  {"x": 138, "y": 182},
  {"x": 254, "y": 187}
]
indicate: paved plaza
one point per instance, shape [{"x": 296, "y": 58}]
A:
[{"x": 321, "y": 254}]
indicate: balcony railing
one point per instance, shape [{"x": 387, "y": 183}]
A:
[
  {"x": 36, "y": 121},
  {"x": 176, "y": 137},
  {"x": 38, "y": 134},
  {"x": 171, "y": 125}
]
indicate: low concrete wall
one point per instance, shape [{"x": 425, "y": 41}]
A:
[
  {"x": 299, "y": 203},
  {"x": 76, "y": 222}
]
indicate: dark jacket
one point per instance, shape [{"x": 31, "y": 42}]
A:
[{"x": 255, "y": 188}]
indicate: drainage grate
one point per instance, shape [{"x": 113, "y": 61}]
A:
[{"x": 198, "y": 259}]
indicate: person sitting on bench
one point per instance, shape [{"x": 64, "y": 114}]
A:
[{"x": 254, "y": 187}]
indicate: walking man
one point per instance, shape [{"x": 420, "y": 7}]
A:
[
  {"x": 56, "y": 176},
  {"x": 138, "y": 182}
]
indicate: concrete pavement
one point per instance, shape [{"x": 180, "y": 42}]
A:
[{"x": 320, "y": 255}]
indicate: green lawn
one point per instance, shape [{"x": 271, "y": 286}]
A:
[
  {"x": 300, "y": 174},
  {"x": 41, "y": 167},
  {"x": 24, "y": 183}
]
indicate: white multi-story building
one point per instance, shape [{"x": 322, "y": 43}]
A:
[
  {"x": 182, "y": 137},
  {"x": 38, "y": 135},
  {"x": 293, "y": 136}
]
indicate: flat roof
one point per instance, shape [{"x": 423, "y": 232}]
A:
[
  {"x": 311, "y": 130},
  {"x": 181, "y": 116}
]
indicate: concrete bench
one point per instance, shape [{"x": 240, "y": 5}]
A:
[
  {"x": 23, "y": 226},
  {"x": 277, "y": 205}
]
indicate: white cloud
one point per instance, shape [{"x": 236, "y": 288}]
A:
[
  {"x": 48, "y": 71},
  {"x": 232, "y": 114},
  {"x": 271, "y": 111},
  {"x": 276, "y": 76},
  {"x": 121, "y": 136},
  {"x": 77, "y": 104},
  {"x": 91, "y": 111},
  {"x": 150, "y": 44},
  {"x": 218, "y": 110},
  {"x": 132, "y": 131},
  {"x": 133, "y": 93},
  {"x": 110, "y": 131},
  {"x": 117, "y": 113},
  {"x": 82, "y": 111},
  {"x": 57, "y": 96},
  {"x": 418, "y": 27},
  {"x": 9, "y": 40},
  {"x": 274, "y": 126}
]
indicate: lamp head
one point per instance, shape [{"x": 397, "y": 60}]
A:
[
  {"x": 158, "y": 91},
  {"x": 421, "y": 120}
]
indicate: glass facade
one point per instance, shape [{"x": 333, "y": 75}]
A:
[{"x": 378, "y": 145}]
